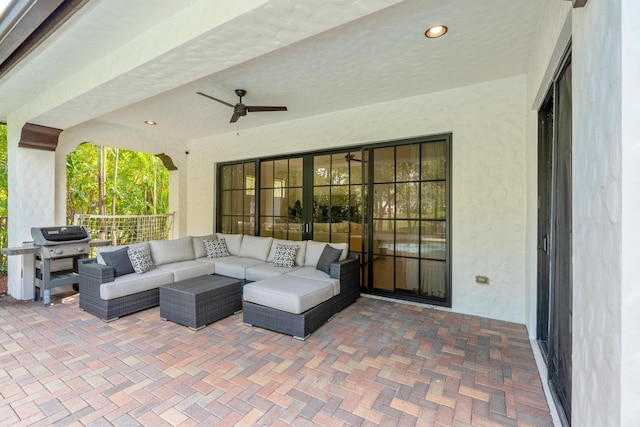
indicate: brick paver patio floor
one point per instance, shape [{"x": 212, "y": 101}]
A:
[{"x": 376, "y": 363}]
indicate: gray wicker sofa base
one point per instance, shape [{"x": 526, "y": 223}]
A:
[
  {"x": 92, "y": 275},
  {"x": 300, "y": 326}
]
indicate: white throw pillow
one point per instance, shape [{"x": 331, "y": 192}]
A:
[
  {"x": 285, "y": 255},
  {"x": 216, "y": 248},
  {"x": 300, "y": 254},
  {"x": 140, "y": 259}
]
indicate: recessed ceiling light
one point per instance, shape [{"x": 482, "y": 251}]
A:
[
  {"x": 436, "y": 31},
  {"x": 150, "y": 122}
]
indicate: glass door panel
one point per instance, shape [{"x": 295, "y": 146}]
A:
[
  {"x": 407, "y": 200},
  {"x": 409, "y": 218},
  {"x": 434, "y": 161},
  {"x": 281, "y": 198},
  {"x": 433, "y": 196},
  {"x": 433, "y": 279},
  {"x": 237, "y": 193},
  {"x": 337, "y": 205},
  {"x": 321, "y": 170},
  {"x": 385, "y": 166}
]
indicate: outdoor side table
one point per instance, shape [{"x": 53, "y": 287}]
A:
[{"x": 201, "y": 300}]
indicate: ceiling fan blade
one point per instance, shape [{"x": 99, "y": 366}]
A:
[
  {"x": 256, "y": 108},
  {"x": 234, "y": 118},
  {"x": 215, "y": 99}
]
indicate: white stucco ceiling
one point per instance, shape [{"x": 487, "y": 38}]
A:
[{"x": 124, "y": 62}]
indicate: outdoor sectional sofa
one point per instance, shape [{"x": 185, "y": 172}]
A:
[{"x": 294, "y": 299}]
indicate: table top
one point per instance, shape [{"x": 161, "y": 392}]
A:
[{"x": 200, "y": 284}]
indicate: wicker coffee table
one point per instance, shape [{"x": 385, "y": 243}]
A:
[{"x": 201, "y": 300}]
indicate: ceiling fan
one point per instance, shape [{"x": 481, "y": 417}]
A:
[{"x": 240, "y": 109}]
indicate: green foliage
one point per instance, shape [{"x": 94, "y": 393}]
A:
[
  {"x": 4, "y": 173},
  {"x": 4, "y": 235},
  {"x": 141, "y": 187}
]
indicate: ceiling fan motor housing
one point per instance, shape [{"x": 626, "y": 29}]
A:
[{"x": 240, "y": 109}]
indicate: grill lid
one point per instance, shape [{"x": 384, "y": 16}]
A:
[{"x": 44, "y": 236}]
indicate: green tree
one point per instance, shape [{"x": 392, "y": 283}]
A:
[
  {"x": 4, "y": 173},
  {"x": 4, "y": 188},
  {"x": 134, "y": 183}
]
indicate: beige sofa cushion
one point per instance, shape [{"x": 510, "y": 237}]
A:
[
  {"x": 312, "y": 273},
  {"x": 168, "y": 251},
  {"x": 288, "y": 293},
  {"x": 266, "y": 270},
  {"x": 184, "y": 270},
  {"x": 133, "y": 283},
  {"x": 233, "y": 266},
  {"x": 255, "y": 247},
  {"x": 233, "y": 241},
  {"x": 199, "y": 251}
]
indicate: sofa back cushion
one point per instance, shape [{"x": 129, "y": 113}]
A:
[
  {"x": 233, "y": 241},
  {"x": 119, "y": 260},
  {"x": 102, "y": 249},
  {"x": 167, "y": 251},
  {"x": 255, "y": 247},
  {"x": 300, "y": 253},
  {"x": 199, "y": 250},
  {"x": 314, "y": 251}
]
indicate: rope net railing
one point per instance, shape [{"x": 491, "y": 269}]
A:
[{"x": 127, "y": 229}]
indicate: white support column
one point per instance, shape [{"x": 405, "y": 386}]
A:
[
  {"x": 630, "y": 159},
  {"x": 31, "y": 203}
]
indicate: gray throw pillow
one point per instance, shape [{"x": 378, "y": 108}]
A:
[
  {"x": 329, "y": 255},
  {"x": 119, "y": 260}
]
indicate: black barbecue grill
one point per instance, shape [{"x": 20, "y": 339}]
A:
[{"x": 57, "y": 260}]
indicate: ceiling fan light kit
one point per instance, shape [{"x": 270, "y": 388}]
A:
[{"x": 240, "y": 109}]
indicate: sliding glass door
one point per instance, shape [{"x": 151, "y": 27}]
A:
[
  {"x": 408, "y": 247},
  {"x": 390, "y": 202}
]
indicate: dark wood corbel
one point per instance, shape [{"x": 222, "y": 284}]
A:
[
  {"x": 167, "y": 161},
  {"x": 579, "y": 3},
  {"x": 39, "y": 137}
]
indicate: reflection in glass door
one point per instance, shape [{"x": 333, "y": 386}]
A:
[
  {"x": 281, "y": 198},
  {"x": 238, "y": 194},
  {"x": 337, "y": 199},
  {"x": 409, "y": 235}
]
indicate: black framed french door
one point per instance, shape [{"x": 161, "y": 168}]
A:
[
  {"x": 555, "y": 281},
  {"x": 390, "y": 202},
  {"x": 408, "y": 241}
]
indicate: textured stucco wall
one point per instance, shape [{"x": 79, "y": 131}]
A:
[
  {"x": 31, "y": 201},
  {"x": 488, "y": 126},
  {"x": 630, "y": 372},
  {"x": 597, "y": 214}
]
